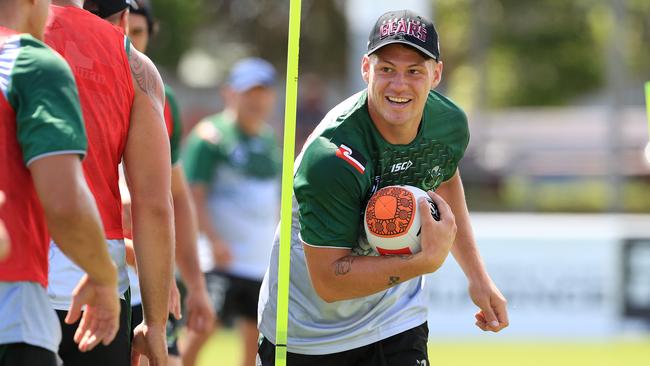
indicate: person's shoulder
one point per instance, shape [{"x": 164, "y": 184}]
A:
[
  {"x": 72, "y": 17},
  {"x": 444, "y": 106},
  {"x": 345, "y": 121},
  {"x": 349, "y": 109},
  {"x": 206, "y": 131},
  {"x": 324, "y": 158},
  {"x": 36, "y": 58}
]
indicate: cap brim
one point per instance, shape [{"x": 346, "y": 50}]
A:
[{"x": 406, "y": 43}]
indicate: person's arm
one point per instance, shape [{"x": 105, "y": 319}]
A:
[
  {"x": 337, "y": 275},
  {"x": 220, "y": 250},
  {"x": 493, "y": 315},
  {"x": 74, "y": 224},
  {"x": 148, "y": 171},
  {"x": 199, "y": 311},
  {"x": 51, "y": 134},
  {"x": 4, "y": 236}
]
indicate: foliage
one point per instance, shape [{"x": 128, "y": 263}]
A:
[
  {"x": 178, "y": 20},
  {"x": 258, "y": 26},
  {"x": 542, "y": 52}
]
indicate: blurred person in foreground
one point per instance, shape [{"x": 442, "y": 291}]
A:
[
  {"x": 348, "y": 306},
  {"x": 141, "y": 25},
  {"x": 232, "y": 161},
  {"x": 122, "y": 100},
  {"x": 41, "y": 178}
]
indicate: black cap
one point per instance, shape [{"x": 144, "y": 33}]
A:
[
  {"x": 106, "y": 8},
  {"x": 405, "y": 27}
]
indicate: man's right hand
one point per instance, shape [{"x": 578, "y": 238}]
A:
[
  {"x": 437, "y": 236},
  {"x": 151, "y": 342},
  {"x": 100, "y": 319}
]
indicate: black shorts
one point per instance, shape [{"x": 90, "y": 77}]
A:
[
  {"x": 408, "y": 348},
  {"x": 23, "y": 354},
  {"x": 116, "y": 353},
  {"x": 233, "y": 296},
  {"x": 173, "y": 327}
]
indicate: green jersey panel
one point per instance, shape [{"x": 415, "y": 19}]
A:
[
  {"x": 201, "y": 153},
  {"x": 347, "y": 160},
  {"x": 218, "y": 140},
  {"x": 43, "y": 93},
  {"x": 330, "y": 194}
]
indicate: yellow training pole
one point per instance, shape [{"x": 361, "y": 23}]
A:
[{"x": 287, "y": 184}]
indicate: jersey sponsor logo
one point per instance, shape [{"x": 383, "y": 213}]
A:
[
  {"x": 400, "y": 167},
  {"x": 352, "y": 157}
]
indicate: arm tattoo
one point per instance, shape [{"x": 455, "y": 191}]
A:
[
  {"x": 343, "y": 265},
  {"x": 393, "y": 280},
  {"x": 404, "y": 257},
  {"x": 143, "y": 75}
]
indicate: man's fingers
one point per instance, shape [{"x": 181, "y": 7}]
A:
[
  {"x": 177, "y": 310},
  {"x": 135, "y": 358},
  {"x": 443, "y": 207},
  {"x": 88, "y": 332},
  {"x": 425, "y": 209},
  {"x": 490, "y": 317},
  {"x": 74, "y": 312},
  {"x": 191, "y": 318},
  {"x": 501, "y": 312},
  {"x": 480, "y": 321},
  {"x": 479, "y": 316},
  {"x": 111, "y": 333},
  {"x": 81, "y": 328}
]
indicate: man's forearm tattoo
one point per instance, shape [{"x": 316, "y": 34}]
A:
[
  {"x": 393, "y": 280},
  {"x": 343, "y": 265},
  {"x": 405, "y": 257}
]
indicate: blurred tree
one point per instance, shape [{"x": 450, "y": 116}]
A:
[
  {"x": 539, "y": 52},
  {"x": 638, "y": 38},
  {"x": 260, "y": 26},
  {"x": 178, "y": 21}
]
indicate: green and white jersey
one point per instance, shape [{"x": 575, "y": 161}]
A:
[
  {"x": 39, "y": 87},
  {"x": 343, "y": 163},
  {"x": 241, "y": 174},
  {"x": 39, "y": 117}
]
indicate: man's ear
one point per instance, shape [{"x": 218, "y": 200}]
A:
[
  {"x": 437, "y": 74},
  {"x": 124, "y": 20},
  {"x": 365, "y": 68}
]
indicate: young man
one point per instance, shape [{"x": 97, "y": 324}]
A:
[
  {"x": 200, "y": 315},
  {"x": 42, "y": 137},
  {"x": 360, "y": 309},
  {"x": 232, "y": 162},
  {"x": 122, "y": 101}
]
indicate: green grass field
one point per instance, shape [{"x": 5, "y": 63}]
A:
[{"x": 223, "y": 350}]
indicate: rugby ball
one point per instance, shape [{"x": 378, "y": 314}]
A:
[{"x": 392, "y": 220}]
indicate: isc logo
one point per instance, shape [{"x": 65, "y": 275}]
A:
[{"x": 400, "y": 167}]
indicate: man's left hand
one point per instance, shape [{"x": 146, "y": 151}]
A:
[
  {"x": 200, "y": 314},
  {"x": 493, "y": 313}
]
